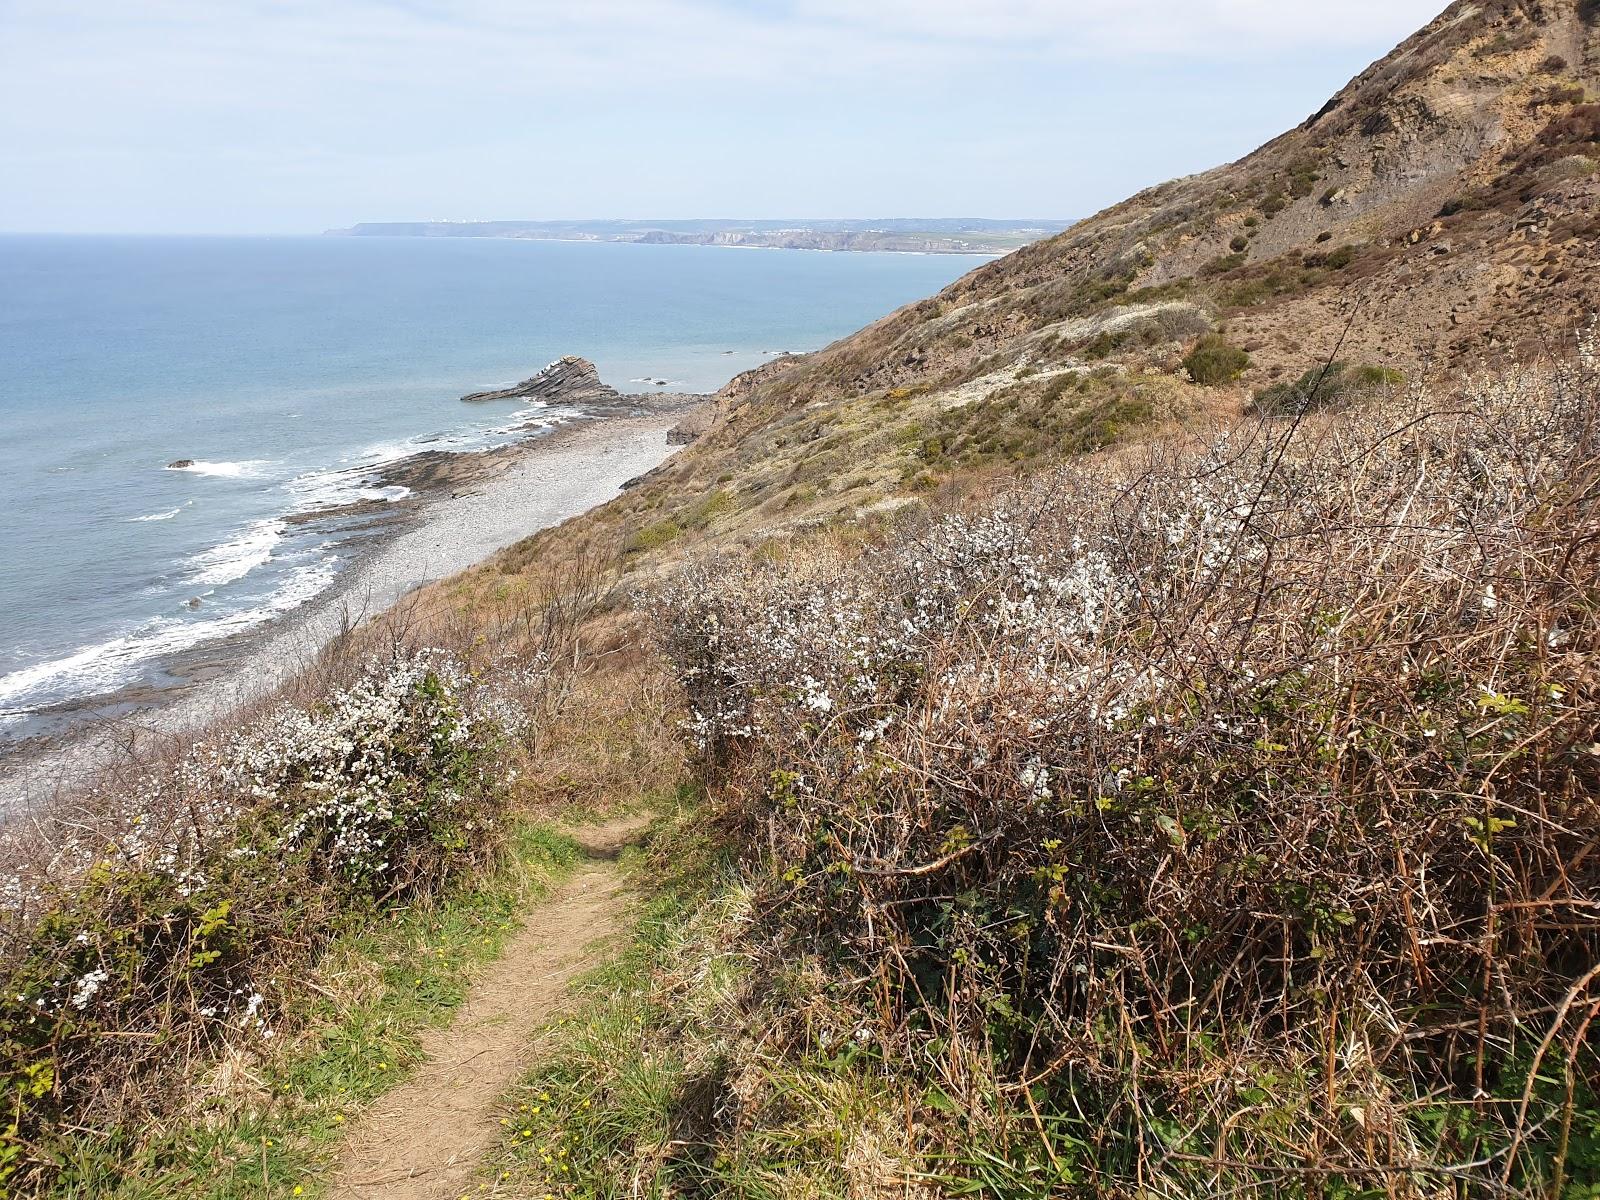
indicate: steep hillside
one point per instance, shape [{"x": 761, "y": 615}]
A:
[
  {"x": 1126, "y": 726},
  {"x": 1441, "y": 211},
  {"x": 1445, "y": 189}
]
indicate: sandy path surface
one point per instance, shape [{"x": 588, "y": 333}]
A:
[
  {"x": 424, "y": 1140},
  {"x": 551, "y": 480}
]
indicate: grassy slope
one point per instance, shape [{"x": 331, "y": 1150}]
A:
[{"x": 1440, "y": 211}]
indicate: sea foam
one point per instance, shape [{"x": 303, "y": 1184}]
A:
[
  {"x": 236, "y": 558},
  {"x": 162, "y": 516},
  {"x": 245, "y": 469},
  {"x": 106, "y": 666}
]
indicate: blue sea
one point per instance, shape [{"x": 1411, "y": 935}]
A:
[{"x": 291, "y": 370}]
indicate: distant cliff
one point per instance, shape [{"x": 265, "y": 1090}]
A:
[{"x": 906, "y": 235}]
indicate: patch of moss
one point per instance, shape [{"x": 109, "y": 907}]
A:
[{"x": 652, "y": 537}]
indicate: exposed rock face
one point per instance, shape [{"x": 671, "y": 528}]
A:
[
  {"x": 695, "y": 422},
  {"x": 569, "y": 380}
]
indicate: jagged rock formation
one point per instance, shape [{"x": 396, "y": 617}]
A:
[
  {"x": 568, "y": 380},
  {"x": 573, "y": 382}
]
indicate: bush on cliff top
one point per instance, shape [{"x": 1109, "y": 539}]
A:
[{"x": 1325, "y": 387}]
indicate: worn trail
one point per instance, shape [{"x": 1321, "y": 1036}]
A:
[{"x": 423, "y": 1140}]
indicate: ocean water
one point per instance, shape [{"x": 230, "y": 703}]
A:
[{"x": 290, "y": 370}]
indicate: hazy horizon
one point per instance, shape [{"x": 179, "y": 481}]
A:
[{"x": 287, "y": 117}]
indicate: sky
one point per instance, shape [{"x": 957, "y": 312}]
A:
[{"x": 294, "y": 116}]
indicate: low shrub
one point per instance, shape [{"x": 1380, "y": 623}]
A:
[
  {"x": 1339, "y": 259},
  {"x": 1580, "y": 127},
  {"x": 1214, "y": 822},
  {"x": 1215, "y": 361},
  {"x": 1325, "y": 387},
  {"x": 1558, "y": 95},
  {"x": 1228, "y": 262},
  {"x": 1303, "y": 178},
  {"x": 1507, "y": 43}
]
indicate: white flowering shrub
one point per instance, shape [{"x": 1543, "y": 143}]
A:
[
  {"x": 223, "y": 878},
  {"x": 1232, "y": 801}
]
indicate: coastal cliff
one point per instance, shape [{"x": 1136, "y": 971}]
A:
[{"x": 892, "y": 235}]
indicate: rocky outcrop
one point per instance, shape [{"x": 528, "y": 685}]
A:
[
  {"x": 568, "y": 380},
  {"x": 574, "y": 383},
  {"x": 695, "y": 422}
]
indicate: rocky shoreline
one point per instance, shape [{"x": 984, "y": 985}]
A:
[{"x": 462, "y": 507}]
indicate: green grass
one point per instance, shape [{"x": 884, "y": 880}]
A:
[
  {"x": 377, "y": 991},
  {"x": 652, "y": 1086},
  {"x": 653, "y": 536}
]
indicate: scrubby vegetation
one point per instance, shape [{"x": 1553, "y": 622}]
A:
[
  {"x": 183, "y": 913},
  {"x": 1215, "y": 360},
  {"x": 1201, "y": 826},
  {"x": 1326, "y": 386},
  {"x": 1036, "y": 420},
  {"x": 1094, "y": 790},
  {"x": 174, "y": 914},
  {"x": 1211, "y": 815}
]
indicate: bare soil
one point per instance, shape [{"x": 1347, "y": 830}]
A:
[{"x": 424, "y": 1140}]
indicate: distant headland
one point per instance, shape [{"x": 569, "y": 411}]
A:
[{"x": 905, "y": 235}]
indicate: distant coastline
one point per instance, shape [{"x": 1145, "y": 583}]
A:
[{"x": 900, "y": 235}]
